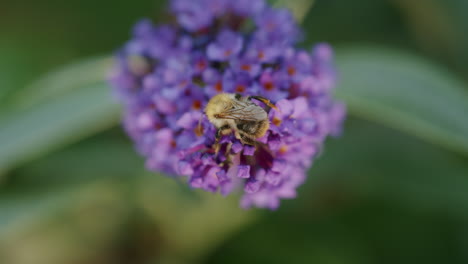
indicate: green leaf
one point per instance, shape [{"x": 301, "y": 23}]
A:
[
  {"x": 376, "y": 162},
  {"x": 79, "y": 74},
  {"x": 58, "y": 109},
  {"x": 43, "y": 186},
  {"x": 299, "y": 8},
  {"x": 374, "y": 187},
  {"x": 194, "y": 225},
  {"x": 108, "y": 154},
  {"x": 26, "y": 133},
  {"x": 28, "y": 207},
  {"x": 406, "y": 93},
  {"x": 184, "y": 232},
  {"x": 439, "y": 27},
  {"x": 76, "y": 177}
]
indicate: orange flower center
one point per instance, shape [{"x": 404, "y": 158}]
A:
[
  {"x": 277, "y": 121},
  {"x": 240, "y": 88},
  {"x": 201, "y": 65},
  {"x": 246, "y": 67},
  {"x": 261, "y": 55},
  {"x": 269, "y": 86},
  {"x": 283, "y": 149},
  {"x": 219, "y": 87},
  {"x": 196, "y": 105}
]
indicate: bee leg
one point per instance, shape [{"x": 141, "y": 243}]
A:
[
  {"x": 263, "y": 100},
  {"x": 226, "y": 154},
  {"x": 237, "y": 135},
  {"x": 217, "y": 138},
  {"x": 218, "y": 135},
  {"x": 216, "y": 148}
]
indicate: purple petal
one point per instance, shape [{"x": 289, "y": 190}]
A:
[
  {"x": 243, "y": 171},
  {"x": 236, "y": 147},
  {"x": 249, "y": 150}
]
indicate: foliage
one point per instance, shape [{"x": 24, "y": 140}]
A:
[{"x": 391, "y": 190}]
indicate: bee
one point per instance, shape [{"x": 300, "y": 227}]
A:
[{"x": 236, "y": 113}]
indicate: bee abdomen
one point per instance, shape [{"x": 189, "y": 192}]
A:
[
  {"x": 248, "y": 127},
  {"x": 254, "y": 128},
  {"x": 247, "y": 140}
]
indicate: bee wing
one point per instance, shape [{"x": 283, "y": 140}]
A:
[{"x": 246, "y": 112}]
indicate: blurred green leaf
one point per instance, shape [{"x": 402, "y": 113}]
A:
[
  {"x": 28, "y": 132},
  {"x": 55, "y": 181},
  {"x": 431, "y": 24},
  {"x": 18, "y": 208},
  {"x": 187, "y": 228},
  {"x": 61, "y": 225},
  {"x": 375, "y": 196},
  {"x": 193, "y": 225},
  {"x": 299, "y": 8},
  {"x": 439, "y": 26},
  {"x": 82, "y": 73},
  {"x": 406, "y": 93},
  {"x": 374, "y": 162},
  {"x": 58, "y": 182},
  {"x": 343, "y": 22},
  {"x": 16, "y": 69},
  {"x": 109, "y": 154}
]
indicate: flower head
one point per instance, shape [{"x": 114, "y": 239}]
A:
[{"x": 165, "y": 76}]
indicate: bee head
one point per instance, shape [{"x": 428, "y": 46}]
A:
[{"x": 219, "y": 104}]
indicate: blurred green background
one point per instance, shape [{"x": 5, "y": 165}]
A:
[{"x": 392, "y": 189}]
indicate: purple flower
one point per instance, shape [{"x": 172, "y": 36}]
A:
[
  {"x": 227, "y": 45},
  {"x": 277, "y": 26},
  {"x": 192, "y": 15},
  {"x": 248, "y": 7},
  {"x": 165, "y": 75}
]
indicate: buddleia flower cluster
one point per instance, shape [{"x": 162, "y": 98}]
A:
[{"x": 166, "y": 74}]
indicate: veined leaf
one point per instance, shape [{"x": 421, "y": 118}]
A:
[
  {"x": 406, "y": 93},
  {"x": 83, "y": 73},
  {"x": 79, "y": 113}
]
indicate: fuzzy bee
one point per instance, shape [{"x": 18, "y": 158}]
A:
[{"x": 236, "y": 113}]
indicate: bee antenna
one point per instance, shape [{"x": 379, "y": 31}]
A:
[{"x": 264, "y": 100}]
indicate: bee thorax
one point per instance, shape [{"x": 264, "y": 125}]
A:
[{"x": 219, "y": 122}]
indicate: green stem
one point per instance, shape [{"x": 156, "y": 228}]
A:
[{"x": 299, "y": 8}]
